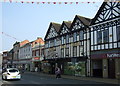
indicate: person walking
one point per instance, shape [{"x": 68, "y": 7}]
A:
[
  {"x": 58, "y": 72},
  {"x": 36, "y": 69}
]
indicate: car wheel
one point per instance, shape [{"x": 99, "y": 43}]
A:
[
  {"x": 2, "y": 77},
  {"x": 5, "y": 77}
]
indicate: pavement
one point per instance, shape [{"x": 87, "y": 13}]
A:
[{"x": 104, "y": 80}]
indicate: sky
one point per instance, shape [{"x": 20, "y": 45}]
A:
[{"x": 21, "y": 21}]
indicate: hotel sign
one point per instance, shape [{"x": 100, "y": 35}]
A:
[{"x": 113, "y": 55}]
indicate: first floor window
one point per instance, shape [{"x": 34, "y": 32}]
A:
[
  {"x": 67, "y": 51},
  {"x": 62, "y": 52},
  {"x": 81, "y": 35},
  {"x": 75, "y": 37},
  {"x": 67, "y": 39},
  {"x": 62, "y": 40},
  {"x": 118, "y": 33},
  {"x": 99, "y": 37},
  {"x": 74, "y": 51},
  {"x": 105, "y": 35}
]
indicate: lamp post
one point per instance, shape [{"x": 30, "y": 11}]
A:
[{"x": 56, "y": 56}]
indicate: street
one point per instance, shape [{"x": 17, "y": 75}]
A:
[{"x": 33, "y": 78}]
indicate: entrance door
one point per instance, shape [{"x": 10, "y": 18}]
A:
[
  {"x": 97, "y": 68},
  {"x": 111, "y": 68}
]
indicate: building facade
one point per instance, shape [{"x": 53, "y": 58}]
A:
[
  {"x": 105, "y": 41},
  {"x": 5, "y": 59},
  {"x": 79, "y": 42},
  {"x": 15, "y": 58},
  {"x": 52, "y": 50},
  {"x": 37, "y": 56},
  {"x": 25, "y": 56},
  {"x": 67, "y": 46}
]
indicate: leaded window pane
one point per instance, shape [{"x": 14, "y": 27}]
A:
[
  {"x": 99, "y": 37},
  {"x": 105, "y": 35},
  {"x": 81, "y": 35},
  {"x": 75, "y": 37},
  {"x": 118, "y": 33}
]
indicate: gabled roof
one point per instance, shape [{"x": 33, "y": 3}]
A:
[
  {"x": 84, "y": 20},
  {"x": 67, "y": 24},
  {"x": 38, "y": 40},
  {"x": 56, "y": 27},
  {"x": 16, "y": 43},
  {"x": 99, "y": 11},
  {"x": 23, "y": 43}
]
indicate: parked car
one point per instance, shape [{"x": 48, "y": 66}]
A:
[{"x": 11, "y": 73}]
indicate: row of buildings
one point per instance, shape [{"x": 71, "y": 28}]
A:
[
  {"x": 86, "y": 47},
  {"x": 25, "y": 55},
  {"x": 82, "y": 47}
]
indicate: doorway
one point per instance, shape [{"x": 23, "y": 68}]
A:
[
  {"x": 111, "y": 68},
  {"x": 97, "y": 68}
]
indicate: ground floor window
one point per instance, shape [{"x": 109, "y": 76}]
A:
[{"x": 77, "y": 68}]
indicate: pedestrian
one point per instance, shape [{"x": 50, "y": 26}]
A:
[
  {"x": 36, "y": 69},
  {"x": 23, "y": 70},
  {"x": 58, "y": 72}
]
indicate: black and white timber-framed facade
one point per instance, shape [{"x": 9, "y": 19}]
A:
[
  {"x": 52, "y": 42},
  {"x": 69, "y": 44},
  {"x": 105, "y": 41},
  {"x": 80, "y": 42},
  {"x": 94, "y": 43}
]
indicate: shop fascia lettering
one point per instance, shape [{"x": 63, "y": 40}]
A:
[{"x": 113, "y": 55}]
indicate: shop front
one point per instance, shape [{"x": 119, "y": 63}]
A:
[
  {"x": 76, "y": 66},
  {"x": 24, "y": 64},
  {"x": 105, "y": 64},
  {"x": 36, "y": 63}
]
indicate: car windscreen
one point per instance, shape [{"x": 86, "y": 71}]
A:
[{"x": 13, "y": 70}]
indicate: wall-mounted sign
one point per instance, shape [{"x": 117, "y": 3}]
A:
[
  {"x": 113, "y": 55},
  {"x": 36, "y": 58}
]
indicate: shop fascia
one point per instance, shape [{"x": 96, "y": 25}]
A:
[{"x": 113, "y": 55}]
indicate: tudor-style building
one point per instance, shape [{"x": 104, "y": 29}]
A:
[
  {"x": 67, "y": 46},
  {"x": 52, "y": 50},
  {"x": 64, "y": 46},
  {"x": 80, "y": 45},
  {"x": 105, "y": 41}
]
